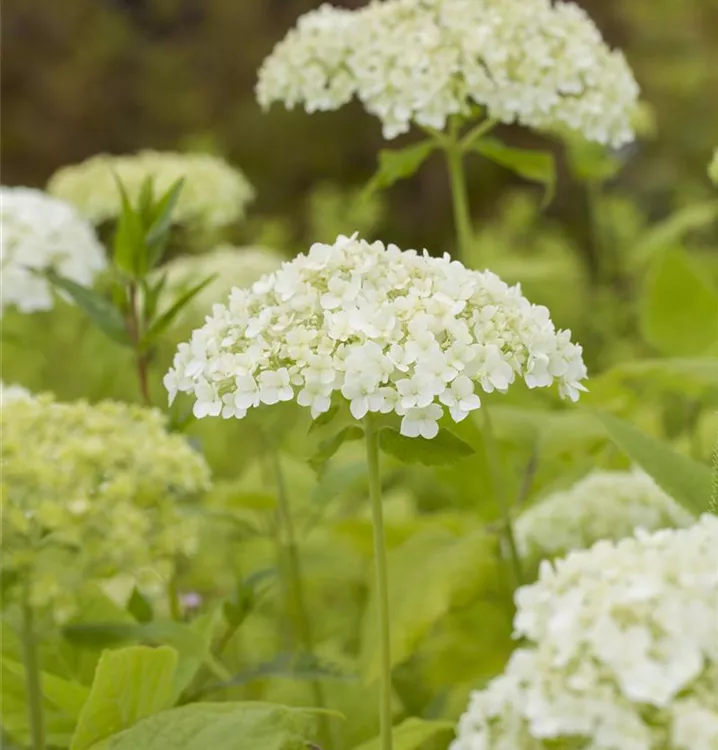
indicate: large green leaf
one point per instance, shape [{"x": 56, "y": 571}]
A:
[
  {"x": 590, "y": 162},
  {"x": 62, "y": 701},
  {"x": 412, "y": 734},
  {"x": 536, "y": 166},
  {"x": 130, "y": 684},
  {"x": 399, "y": 164},
  {"x": 428, "y": 575},
  {"x": 445, "y": 448},
  {"x": 684, "y": 479},
  {"x": 678, "y": 309},
  {"x": 220, "y": 726}
]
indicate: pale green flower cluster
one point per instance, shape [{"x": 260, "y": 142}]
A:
[
  {"x": 713, "y": 168},
  {"x": 622, "y": 652},
  {"x": 93, "y": 490},
  {"x": 9, "y": 393},
  {"x": 602, "y": 505},
  {"x": 214, "y": 194},
  {"x": 230, "y": 266}
]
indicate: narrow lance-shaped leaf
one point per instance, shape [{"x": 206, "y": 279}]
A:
[
  {"x": 398, "y": 165},
  {"x": 161, "y": 221},
  {"x": 151, "y": 293},
  {"x": 536, "y": 166},
  {"x": 100, "y": 310},
  {"x": 161, "y": 324},
  {"x": 129, "y": 243}
]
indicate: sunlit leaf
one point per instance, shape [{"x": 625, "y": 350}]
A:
[
  {"x": 398, "y": 164},
  {"x": 413, "y": 734},
  {"x": 445, "y": 448}
]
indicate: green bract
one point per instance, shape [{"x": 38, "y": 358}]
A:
[{"x": 90, "y": 491}]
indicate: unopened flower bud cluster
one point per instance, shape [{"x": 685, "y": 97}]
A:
[
  {"x": 39, "y": 233},
  {"x": 99, "y": 485},
  {"x": 213, "y": 195},
  {"x": 622, "y": 654},
  {"x": 390, "y": 331},
  {"x": 602, "y": 505},
  {"x": 535, "y": 62}
]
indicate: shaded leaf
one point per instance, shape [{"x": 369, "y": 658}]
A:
[
  {"x": 445, "y": 448},
  {"x": 161, "y": 221},
  {"x": 139, "y": 607},
  {"x": 329, "y": 446},
  {"x": 589, "y": 161},
  {"x": 398, "y": 164},
  {"x": 413, "y": 733}
]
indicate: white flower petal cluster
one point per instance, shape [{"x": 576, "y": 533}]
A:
[
  {"x": 602, "y": 505},
  {"x": 213, "y": 195},
  {"x": 231, "y": 266},
  {"x": 10, "y": 393},
  {"x": 713, "y": 168},
  {"x": 38, "y": 233},
  {"x": 390, "y": 331},
  {"x": 539, "y": 63},
  {"x": 622, "y": 654}
]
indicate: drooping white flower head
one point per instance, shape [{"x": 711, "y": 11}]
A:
[
  {"x": 390, "y": 331},
  {"x": 622, "y": 654},
  {"x": 602, "y": 505},
  {"x": 213, "y": 195},
  {"x": 10, "y": 393},
  {"x": 231, "y": 266},
  {"x": 540, "y": 63},
  {"x": 37, "y": 233}
]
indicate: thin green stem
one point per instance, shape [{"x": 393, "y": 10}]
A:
[
  {"x": 497, "y": 480},
  {"x": 477, "y": 132},
  {"x": 173, "y": 600},
  {"x": 32, "y": 675},
  {"x": 292, "y": 572},
  {"x": 382, "y": 581},
  {"x": 459, "y": 195}
]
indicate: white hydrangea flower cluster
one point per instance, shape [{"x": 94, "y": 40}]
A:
[
  {"x": 390, "y": 331},
  {"x": 10, "y": 393},
  {"x": 623, "y": 652},
  {"x": 102, "y": 486},
  {"x": 602, "y": 505},
  {"x": 213, "y": 195},
  {"x": 37, "y": 233},
  {"x": 231, "y": 266},
  {"x": 713, "y": 168},
  {"x": 540, "y": 63}
]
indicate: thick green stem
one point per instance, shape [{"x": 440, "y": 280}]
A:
[
  {"x": 32, "y": 676},
  {"x": 492, "y": 457},
  {"x": 459, "y": 198},
  {"x": 382, "y": 582},
  {"x": 292, "y": 571}
]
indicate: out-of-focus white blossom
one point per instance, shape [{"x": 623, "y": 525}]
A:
[
  {"x": 213, "y": 195},
  {"x": 390, "y": 331},
  {"x": 713, "y": 168},
  {"x": 622, "y": 652},
  {"x": 231, "y": 266},
  {"x": 39, "y": 233},
  {"x": 539, "y": 63},
  {"x": 602, "y": 505},
  {"x": 10, "y": 393}
]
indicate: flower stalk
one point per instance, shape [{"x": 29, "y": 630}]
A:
[
  {"x": 33, "y": 686},
  {"x": 382, "y": 581}
]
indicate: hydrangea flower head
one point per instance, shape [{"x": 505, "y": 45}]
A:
[
  {"x": 388, "y": 330},
  {"x": 213, "y": 195},
  {"x": 602, "y": 505},
  {"x": 10, "y": 393},
  {"x": 39, "y": 233},
  {"x": 622, "y": 651},
  {"x": 540, "y": 63},
  {"x": 90, "y": 491},
  {"x": 231, "y": 266}
]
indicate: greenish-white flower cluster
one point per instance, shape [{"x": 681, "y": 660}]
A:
[
  {"x": 602, "y": 505},
  {"x": 40, "y": 233},
  {"x": 10, "y": 393},
  {"x": 622, "y": 654},
  {"x": 213, "y": 195},
  {"x": 230, "y": 266},
  {"x": 713, "y": 168},
  {"x": 539, "y": 63},
  {"x": 90, "y": 491}
]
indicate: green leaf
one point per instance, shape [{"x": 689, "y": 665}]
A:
[
  {"x": 685, "y": 480},
  {"x": 412, "y": 734},
  {"x": 445, "y": 448},
  {"x": 590, "y": 162},
  {"x": 139, "y": 607},
  {"x": 100, "y": 310},
  {"x": 429, "y": 574},
  {"x": 161, "y": 221},
  {"x": 536, "y": 166},
  {"x": 129, "y": 242},
  {"x": 221, "y": 726},
  {"x": 329, "y": 446},
  {"x": 161, "y": 324},
  {"x": 62, "y": 702},
  {"x": 398, "y": 164},
  {"x": 678, "y": 309},
  {"x": 129, "y": 685},
  {"x": 151, "y": 294}
]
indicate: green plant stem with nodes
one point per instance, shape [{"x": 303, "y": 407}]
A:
[
  {"x": 32, "y": 674},
  {"x": 291, "y": 571},
  {"x": 382, "y": 581},
  {"x": 492, "y": 457},
  {"x": 135, "y": 333}
]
